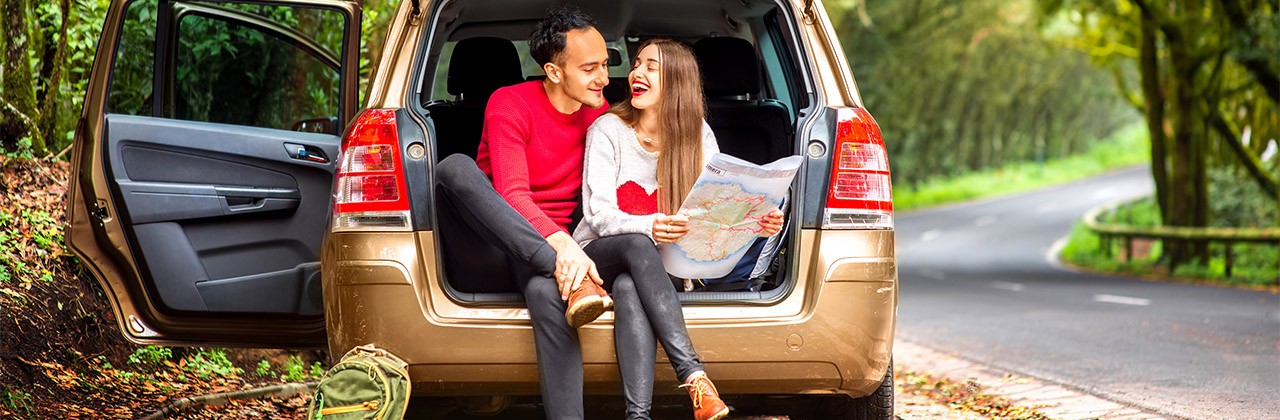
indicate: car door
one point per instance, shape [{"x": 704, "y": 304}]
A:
[{"x": 204, "y": 163}]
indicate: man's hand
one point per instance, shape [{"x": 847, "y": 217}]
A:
[
  {"x": 771, "y": 223},
  {"x": 669, "y": 228},
  {"x": 572, "y": 264}
]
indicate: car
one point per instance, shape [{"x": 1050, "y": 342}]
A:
[{"x": 232, "y": 188}]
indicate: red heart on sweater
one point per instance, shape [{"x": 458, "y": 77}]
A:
[{"x": 633, "y": 200}]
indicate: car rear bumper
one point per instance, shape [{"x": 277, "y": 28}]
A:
[{"x": 831, "y": 333}]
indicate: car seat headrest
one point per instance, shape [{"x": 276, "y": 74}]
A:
[
  {"x": 729, "y": 66},
  {"x": 480, "y": 66}
]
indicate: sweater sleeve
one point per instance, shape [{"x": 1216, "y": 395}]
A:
[
  {"x": 600, "y": 208},
  {"x": 709, "y": 145},
  {"x": 507, "y": 129}
]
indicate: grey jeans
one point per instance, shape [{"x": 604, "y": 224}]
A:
[{"x": 482, "y": 231}]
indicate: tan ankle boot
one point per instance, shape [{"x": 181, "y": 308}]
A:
[
  {"x": 585, "y": 304},
  {"x": 707, "y": 404}
]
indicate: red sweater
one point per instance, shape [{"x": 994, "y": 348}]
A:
[{"x": 533, "y": 153}]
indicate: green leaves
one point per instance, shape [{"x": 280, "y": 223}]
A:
[
  {"x": 150, "y": 355},
  {"x": 207, "y": 364},
  {"x": 968, "y": 86}
]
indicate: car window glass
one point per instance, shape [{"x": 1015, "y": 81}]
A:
[
  {"x": 257, "y": 65},
  {"x": 782, "y": 75},
  {"x": 131, "y": 83},
  {"x": 440, "y": 83},
  {"x": 229, "y": 69},
  {"x": 774, "y": 75}
]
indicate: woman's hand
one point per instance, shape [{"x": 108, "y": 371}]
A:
[
  {"x": 669, "y": 228},
  {"x": 771, "y": 223}
]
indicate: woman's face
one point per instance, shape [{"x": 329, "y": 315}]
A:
[{"x": 646, "y": 78}]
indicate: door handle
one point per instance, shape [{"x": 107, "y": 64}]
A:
[{"x": 305, "y": 152}]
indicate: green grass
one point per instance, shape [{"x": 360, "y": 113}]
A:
[
  {"x": 1254, "y": 264},
  {"x": 207, "y": 364},
  {"x": 1128, "y": 146}
]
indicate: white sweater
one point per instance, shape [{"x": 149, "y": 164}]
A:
[{"x": 620, "y": 180}]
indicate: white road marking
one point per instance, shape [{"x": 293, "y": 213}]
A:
[
  {"x": 1051, "y": 255},
  {"x": 1012, "y": 287},
  {"x": 930, "y": 235},
  {"x": 984, "y": 220},
  {"x": 1123, "y": 300},
  {"x": 1046, "y": 207},
  {"x": 933, "y": 274},
  {"x": 1104, "y": 193}
]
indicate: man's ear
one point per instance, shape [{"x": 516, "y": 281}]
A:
[{"x": 554, "y": 73}]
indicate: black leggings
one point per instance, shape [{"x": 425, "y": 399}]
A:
[{"x": 645, "y": 304}]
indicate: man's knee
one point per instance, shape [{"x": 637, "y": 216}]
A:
[
  {"x": 540, "y": 292},
  {"x": 454, "y": 167}
]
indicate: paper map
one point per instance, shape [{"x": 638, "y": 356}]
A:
[{"x": 724, "y": 208}]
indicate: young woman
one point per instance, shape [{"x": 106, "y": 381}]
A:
[{"x": 642, "y": 158}]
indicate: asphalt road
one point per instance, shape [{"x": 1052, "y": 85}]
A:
[{"x": 977, "y": 281}]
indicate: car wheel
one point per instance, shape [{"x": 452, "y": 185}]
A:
[{"x": 877, "y": 406}]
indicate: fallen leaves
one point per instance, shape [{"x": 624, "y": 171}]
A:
[
  {"x": 58, "y": 335},
  {"x": 967, "y": 396}
]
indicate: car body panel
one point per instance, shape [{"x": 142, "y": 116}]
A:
[{"x": 831, "y": 334}]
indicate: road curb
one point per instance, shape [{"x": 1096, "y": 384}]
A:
[
  {"x": 1055, "y": 400},
  {"x": 288, "y": 390}
]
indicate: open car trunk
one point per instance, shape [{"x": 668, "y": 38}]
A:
[{"x": 757, "y": 97}]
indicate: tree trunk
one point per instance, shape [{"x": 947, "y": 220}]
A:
[
  {"x": 49, "y": 106},
  {"x": 1189, "y": 192},
  {"x": 1153, "y": 98},
  {"x": 18, "y": 116}
]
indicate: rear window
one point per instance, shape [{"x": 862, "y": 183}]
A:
[{"x": 439, "y": 88}]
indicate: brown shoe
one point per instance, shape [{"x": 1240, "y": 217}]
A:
[
  {"x": 707, "y": 404},
  {"x": 585, "y": 304},
  {"x": 604, "y": 296}
]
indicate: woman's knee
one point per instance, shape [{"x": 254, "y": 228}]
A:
[
  {"x": 639, "y": 249},
  {"x": 635, "y": 240},
  {"x": 624, "y": 284}
]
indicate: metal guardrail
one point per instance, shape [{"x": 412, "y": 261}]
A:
[{"x": 1227, "y": 236}]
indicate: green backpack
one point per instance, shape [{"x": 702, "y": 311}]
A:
[{"x": 368, "y": 383}]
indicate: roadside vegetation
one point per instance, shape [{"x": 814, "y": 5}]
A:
[
  {"x": 61, "y": 354},
  {"x": 1126, "y": 147},
  {"x": 1254, "y": 265}
]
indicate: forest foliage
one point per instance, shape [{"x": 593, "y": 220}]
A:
[
  {"x": 967, "y": 86},
  {"x": 957, "y": 87}
]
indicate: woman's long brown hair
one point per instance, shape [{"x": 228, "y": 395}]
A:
[{"x": 681, "y": 112}]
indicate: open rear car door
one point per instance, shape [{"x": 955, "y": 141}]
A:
[{"x": 204, "y": 163}]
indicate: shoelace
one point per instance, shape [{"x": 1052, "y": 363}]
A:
[{"x": 699, "y": 386}]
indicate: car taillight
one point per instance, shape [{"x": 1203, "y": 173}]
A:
[
  {"x": 859, "y": 196},
  {"x": 369, "y": 187}
]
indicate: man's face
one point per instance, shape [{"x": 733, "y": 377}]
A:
[{"x": 583, "y": 67}]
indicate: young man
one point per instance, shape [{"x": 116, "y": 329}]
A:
[{"x": 531, "y": 150}]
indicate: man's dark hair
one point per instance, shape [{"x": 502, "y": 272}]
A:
[{"x": 548, "y": 38}]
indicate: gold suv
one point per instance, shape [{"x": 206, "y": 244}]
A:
[{"x": 232, "y": 189}]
